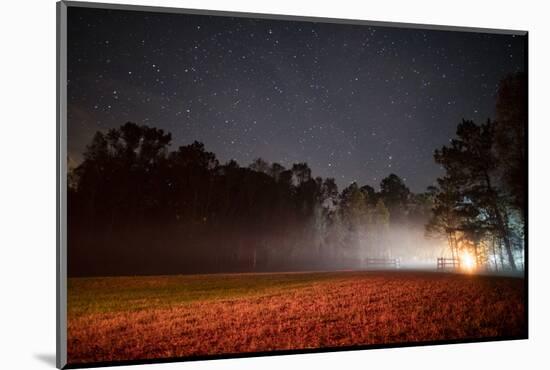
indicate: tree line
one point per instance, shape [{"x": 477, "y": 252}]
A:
[
  {"x": 137, "y": 207},
  {"x": 479, "y": 205},
  {"x": 134, "y": 206}
]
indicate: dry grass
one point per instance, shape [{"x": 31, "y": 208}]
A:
[{"x": 114, "y": 319}]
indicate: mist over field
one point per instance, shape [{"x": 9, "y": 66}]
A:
[{"x": 221, "y": 218}]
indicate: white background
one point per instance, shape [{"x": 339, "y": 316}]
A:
[{"x": 27, "y": 182}]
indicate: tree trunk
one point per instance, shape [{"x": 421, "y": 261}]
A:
[
  {"x": 455, "y": 245},
  {"x": 501, "y": 256},
  {"x": 450, "y": 241},
  {"x": 494, "y": 254},
  {"x": 509, "y": 253},
  {"x": 507, "y": 245},
  {"x": 501, "y": 223}
]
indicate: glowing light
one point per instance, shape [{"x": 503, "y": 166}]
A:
[{"x": 467, "y": 261}]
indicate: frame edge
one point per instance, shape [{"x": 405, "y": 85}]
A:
[
  {"x": 288, "y": 17},
  {"x": 61, "y": 185}
]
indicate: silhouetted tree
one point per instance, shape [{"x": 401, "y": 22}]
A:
[
  {"x": 370, "y": 194},
  {"x": 470, "y": 163},
  {"x": 395, "y": 195},
  {"x": 446, "y": 220},
  {"x": 301, "y": 173},
  {"x": 276, "y": 170},
  {"x": 136, "y": 207},
  {"x": 259, "y": 165},
  {"x": 510, "y": 137}
]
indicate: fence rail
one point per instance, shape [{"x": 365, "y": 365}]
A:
[
  {"x": 446, "y": 263},
  {"x": 383, "y": 262}
]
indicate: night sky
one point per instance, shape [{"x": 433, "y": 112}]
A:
[{"x": 355, "y": 102}]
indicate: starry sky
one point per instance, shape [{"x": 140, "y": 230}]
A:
[{"x": 355, "y": 102}]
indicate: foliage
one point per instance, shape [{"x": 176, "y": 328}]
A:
[
  {"x": 137, "y": 207},
  {"x": 483, "y": 189}
]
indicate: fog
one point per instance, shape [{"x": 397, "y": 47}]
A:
[
  {"x": 327, "y": 242},
  {"x": 135, "y": 209}
]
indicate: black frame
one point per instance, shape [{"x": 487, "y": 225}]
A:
[{"x": 61, "y": 211}]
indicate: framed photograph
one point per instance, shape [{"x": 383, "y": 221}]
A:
[{"x": 234, "y": 184}]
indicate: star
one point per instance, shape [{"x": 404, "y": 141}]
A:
[{"x": 266, "y": 88}]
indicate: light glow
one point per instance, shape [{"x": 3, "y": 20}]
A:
[{"x": 467, "y": 261}]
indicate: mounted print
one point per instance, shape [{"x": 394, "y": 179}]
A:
[{"x": 237, "y": 184}]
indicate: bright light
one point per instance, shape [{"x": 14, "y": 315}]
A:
[{"x": 467, "y": 261}]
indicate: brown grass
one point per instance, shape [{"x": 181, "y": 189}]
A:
[{"x": 114, "y": 319}]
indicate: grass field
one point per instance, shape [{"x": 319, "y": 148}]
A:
[{"x": 132, "y": 318}]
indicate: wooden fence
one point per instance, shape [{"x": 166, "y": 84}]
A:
[
  {"x": 383, "y": 263},
  {"x": 448, "y": 263}
]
